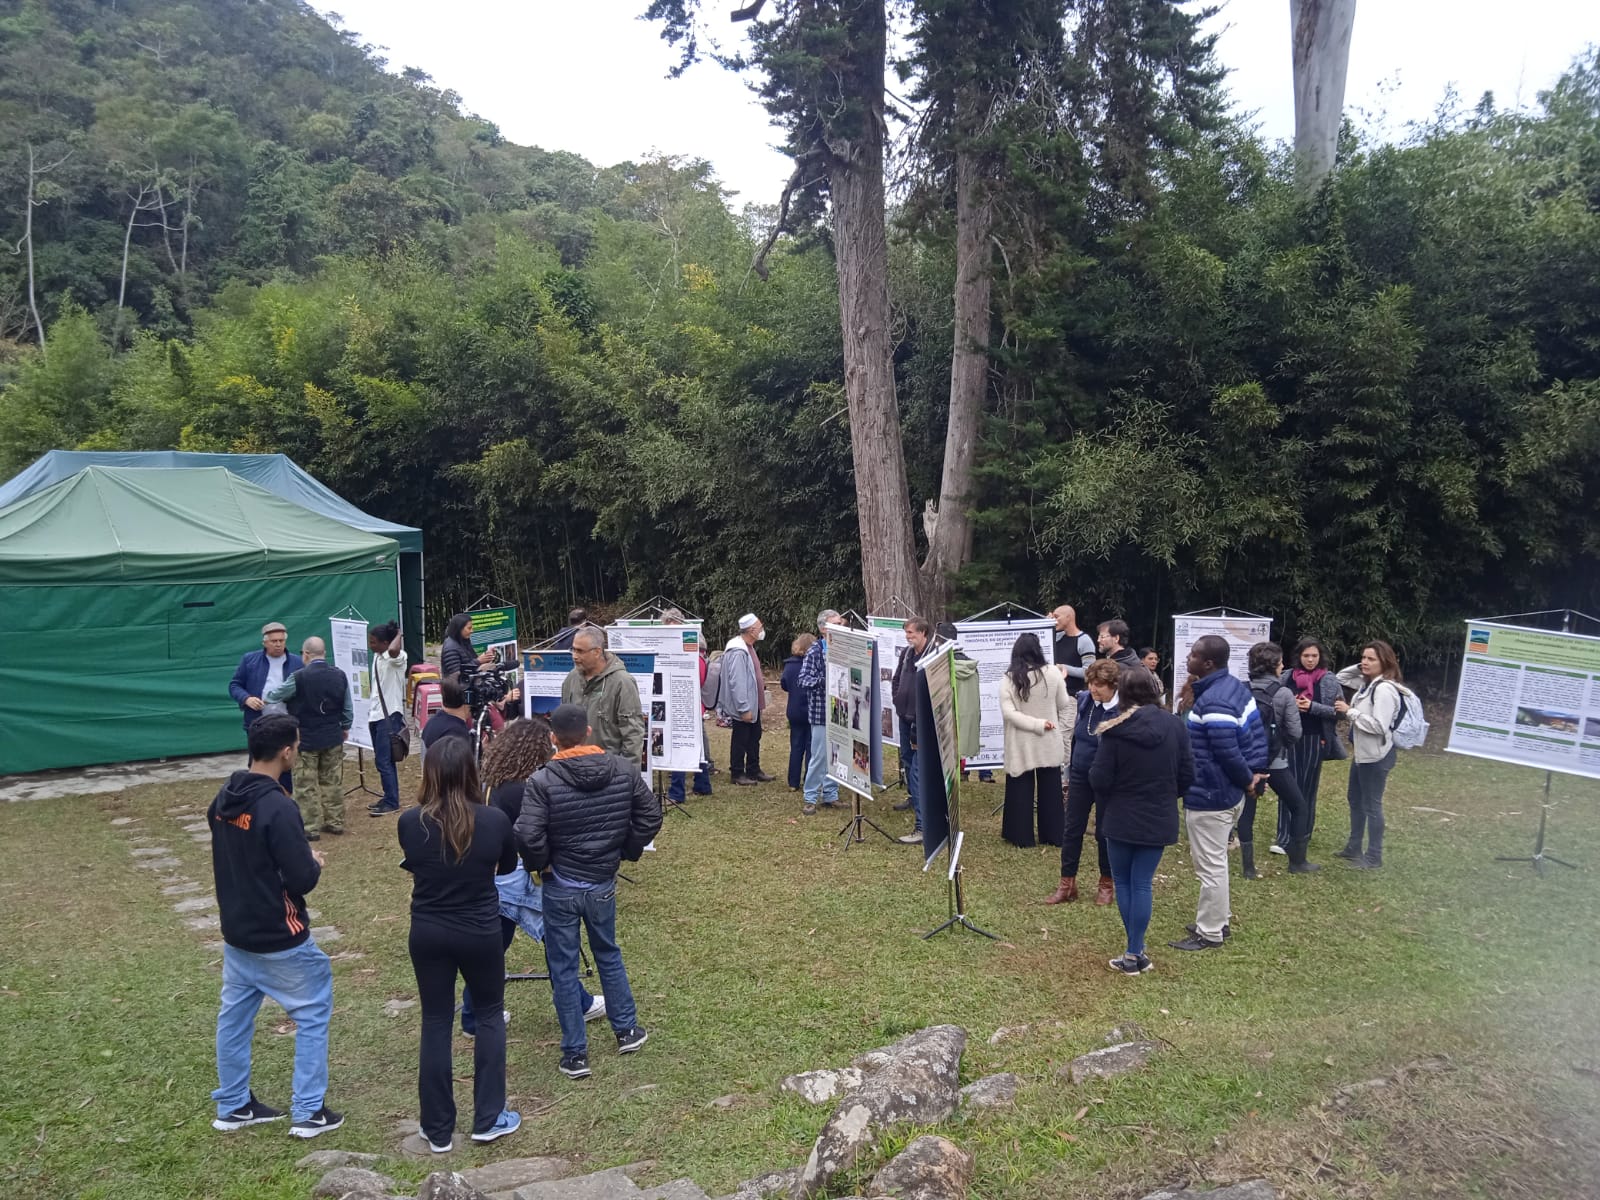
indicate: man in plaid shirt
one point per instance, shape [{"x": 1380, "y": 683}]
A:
[{"x": 813, "y": 684}]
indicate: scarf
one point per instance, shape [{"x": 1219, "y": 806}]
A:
[{"x": 1305, "y": 682}]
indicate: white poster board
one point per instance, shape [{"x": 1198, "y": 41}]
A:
[
  {"x": 347, "y": 650},
  {"x": 1242, "y": 630},
  {"x": 855, "y": 738},
  {"x": 989, "y": 643},
  {"x": 890, "y": 634},
  {"x": 1529, "y": 696},
  {"x": 542, "y": 674},
  {"x": 673, "y": 704}
]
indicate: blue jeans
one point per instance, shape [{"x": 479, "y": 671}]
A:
[
  {"x": 384, "y": 760},
  {"x": 702, "y": 784},
  {"x": 819, "y": 788},
  {"x": 908, "y": 759},
  {"x": 595, "y": 909},
  {"x": 301, "y": 980},
  {"x": 1133, "y": 870}
]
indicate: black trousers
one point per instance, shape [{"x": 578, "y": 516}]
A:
[
  {"x": 1079, "y": 804},
  {"x": 438, "y": 954},
  {"x": 744, "y": 747},
  {"x": 1032, "y": 791},
  {"x": 799, "y": 749},
  {"x": 1287, "y": 788}
]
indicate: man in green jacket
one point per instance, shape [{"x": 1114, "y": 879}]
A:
[{"x": 601, "y": 684}]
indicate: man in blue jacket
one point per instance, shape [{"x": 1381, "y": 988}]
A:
[
  {"x": 1230, "y": 756},
  {"x": 259, "y": 671}
]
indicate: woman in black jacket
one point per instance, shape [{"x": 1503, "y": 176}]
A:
[
  {"x": 1142, "y": 766},
  {"x": 456, "y": 656},
  {"x": 1316, "y": 691}
]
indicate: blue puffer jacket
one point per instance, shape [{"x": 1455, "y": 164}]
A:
[{"x": 1229, "y": 741}]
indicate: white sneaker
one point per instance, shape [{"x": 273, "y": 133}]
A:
[
  {"x": 651, "y": 845},
  {"x": 596, "y": 1010},
  {"x": 1277, "y": 849},
  {"x": 444, "y": 1149}
]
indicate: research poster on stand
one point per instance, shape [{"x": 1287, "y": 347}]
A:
[
  {"x": 542, "y": 674},
  {"x": 672, "y": 709},
  {"x": 347, "y": 649},
  {"x": 890, "y": 634},
  {"x": 496, "y": 629},
  {"x": 1241, "y": 630},
  {"x": 855, "y": 737},
  {"x": 1529, "y": 696},
  {"x": 989, "y": 643}
]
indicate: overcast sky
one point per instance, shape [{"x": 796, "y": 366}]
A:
[{"x": 590, "y": 77}]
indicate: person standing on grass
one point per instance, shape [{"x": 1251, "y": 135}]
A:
[
  {"x": 1094, "y": 708},
  {"x": 1142, "y": 766},
  {"x": 812, "y": 681},
  {"x": 602, "y": 685},
  {"x": 797, "y": 712},
  {"x": 742, "y": 697},
  {"x": 903, "y": 687},
  {"x": 318, "y": 696},
  {"x": 1074, "y": 649},
  {"x": 1113, "y": 643},
  {"x": 263, "y": 866},
  {"x": 1037, "y": 713},
  {"x": 260, "y": 670},
  {"x": 1372, "y": 712},
  {"x": 1316, "y": 692},
  {"x": 512, "y": 758},
  {"x": 386, "y": 711},
  {"x": 1280, "y": 716},
  {"x": 454, "y": 845},
  {"x": 583, "y": 813},
  {"x": 1230, "y": 757}
]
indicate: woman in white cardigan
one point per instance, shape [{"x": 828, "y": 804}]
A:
[
  {"x": 1038, "y": 715},
  {"x": 1372, "y": 712}
]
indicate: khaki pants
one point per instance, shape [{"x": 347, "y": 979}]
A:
[
  {"x": 1208, "y": 847},
  {"x": 320, "y": 790}
]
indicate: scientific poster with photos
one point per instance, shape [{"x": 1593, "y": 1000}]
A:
[
  {"x": 543, "y": 672},
  {"x": 890, "y": 633},
  {"x": 496, "y": 629},
  {"x": 855, "y": 731},
  {"x": 347, "y": 650},
  {"x": 989, "y": 643},
  {"x": 1239, "y": 630},
  {"x": 672, "y": 709}
]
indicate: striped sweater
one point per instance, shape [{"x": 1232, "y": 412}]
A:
[{"x": 1229, "y": 741}]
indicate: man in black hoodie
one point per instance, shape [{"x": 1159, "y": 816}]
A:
[
  {"x": 263, "y": 867},
  {"x": 582, "y": 814}
]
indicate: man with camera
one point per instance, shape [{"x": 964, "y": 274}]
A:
[
  {"x": 318, "y": 696},
  {"x": 600, "y": 684},
  {"x": 453, "y": 718}
]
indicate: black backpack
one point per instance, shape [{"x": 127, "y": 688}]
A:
[{"x": 1265, "y": 691}]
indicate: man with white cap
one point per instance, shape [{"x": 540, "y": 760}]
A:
[
  {"x": 741, "y": 698},
  {"x": 261, "y": 670}
]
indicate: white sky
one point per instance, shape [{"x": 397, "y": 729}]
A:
[{"x": 591, "y": 77}]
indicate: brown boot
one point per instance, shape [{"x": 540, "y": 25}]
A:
[
  {"x": 1106, "y": 892},
  {"x": 1065, "y": 893}
]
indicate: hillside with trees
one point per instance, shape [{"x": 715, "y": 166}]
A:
[{"x": 1375, "y": 407}]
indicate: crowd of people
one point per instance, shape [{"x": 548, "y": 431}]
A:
[{"x": 534, "y": 839}]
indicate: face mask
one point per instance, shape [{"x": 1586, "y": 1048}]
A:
[{"x": 762, "y": 636}]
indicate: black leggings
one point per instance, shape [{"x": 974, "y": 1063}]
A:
[
  {"x": 1287, "y": 788},
  {"x": 437, "y": 954},
  {"x": 1080, "y": 803}
]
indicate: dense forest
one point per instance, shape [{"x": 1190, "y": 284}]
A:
[{"x": 1373, "y": 408}]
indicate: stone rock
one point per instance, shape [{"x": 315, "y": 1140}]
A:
[
  {"x": 448, "y": 1185},
  {"x": 1126, "y": 1031},
  {"x": 323, "y": 934},
  {"x": 179, "y": 889},
  {"x": 327, "y": 1160},
  {"x": 930, "y": 1168},
  {"x": 149, "y": 851},
  {"x": 916, "y": 1081},
  {"x": 393, "y": 1008},
  {"x": 412, "y": 1145},
  {"x": 343, "y": 1180},
  {"x": 197, "y": 827},
  {"x": 1253, "y": 1189},
  {"x": 512, "y": 1173},
  {"x": 123, "y": 820},
  {"x": 200, "y": 923},
  {"x": 773, "y": 1183},
  {"x": 199, "y": 837},
  {"x": 727, "y": 1101},
  {"x": 602, "y": 1185},
  {"x": 819, "y": 1087},
  {"x": 992, "y": 1091},
  {"x": 158, "y": 864},
  {"x": 678, "y": 1189},
  {"x": 195, "y": 904},
  {"x": 1007, "y": 1032},
  {"x": 1109, "y": 1062}
]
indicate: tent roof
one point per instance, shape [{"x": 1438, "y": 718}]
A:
[
  {"x": 124, "y": 524},
  {"x": 278, "y": 473}
]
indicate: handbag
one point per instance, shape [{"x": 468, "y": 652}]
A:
[{"x": 399, "y": 741}]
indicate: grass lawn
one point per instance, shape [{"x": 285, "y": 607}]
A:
[{"x": 758, "y": 946}]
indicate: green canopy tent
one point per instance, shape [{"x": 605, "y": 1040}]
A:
[{"x": 127, "y": 597}]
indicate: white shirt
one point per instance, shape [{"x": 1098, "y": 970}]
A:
[
  {"x": 274, "y": 678},
  {"x": 388, "y": 674}
]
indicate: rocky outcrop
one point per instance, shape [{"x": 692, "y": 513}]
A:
[
  {"x": 1109, "y": 1062},
  {"x": 992, "y": 1091},
  {"x": 930, "y": 1168}
]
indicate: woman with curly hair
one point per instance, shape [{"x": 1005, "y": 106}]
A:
[{"x": 520, "y": 750}]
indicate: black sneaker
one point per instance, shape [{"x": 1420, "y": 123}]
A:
[
  {"x": 382, "y": 810},
  {"x": 904, "y": 805},
  {"x": 1131, "y": 966},
  {"x": 630, "y": 1041},
  {"x": 1195, "y": 942},
  {"x": 575, "y": 1066},
  {"x": 762, "y": 777},
  {"x": 1366, "y": 862},
  {"x": 252, "y": 1113},
  {"x": 324, "y": 1120},
  {"x": 1227, "y": 930},
  {"x": 1351, "y": 850}
]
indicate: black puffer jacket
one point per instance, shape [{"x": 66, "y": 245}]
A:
[
  {"x": 584, "y": 813},
  {"x": 1141, "y": 768},
  {"x": 457, "y": 658}
]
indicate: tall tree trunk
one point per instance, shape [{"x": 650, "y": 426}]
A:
[
  {"x": 950, "y": 536},
  {"x": 127, "y": 240},
  {"x": 1321, "y": 31},
  {"x": 27, "y": 238},
  {"x": 883, "y": 503}
]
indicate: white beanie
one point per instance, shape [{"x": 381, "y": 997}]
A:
[{"x": 747, "y": 622}]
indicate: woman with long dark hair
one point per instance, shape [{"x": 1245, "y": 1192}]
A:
[
  {"x": 1316, "y": 691},
  {"x": 1372, "y": 711},
  {"x": 1037, "y": 714},
  {"x": 456, "y": 656},
  {"x": 520, "y": 750},
  {"x": 454, "y": 845},
  {"x": 1281, "y": 716}
]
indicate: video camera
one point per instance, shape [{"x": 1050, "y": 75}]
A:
[{"x": 485, "y": 686}]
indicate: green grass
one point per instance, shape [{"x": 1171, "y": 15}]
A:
[{"x": 758, "y": 946}]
